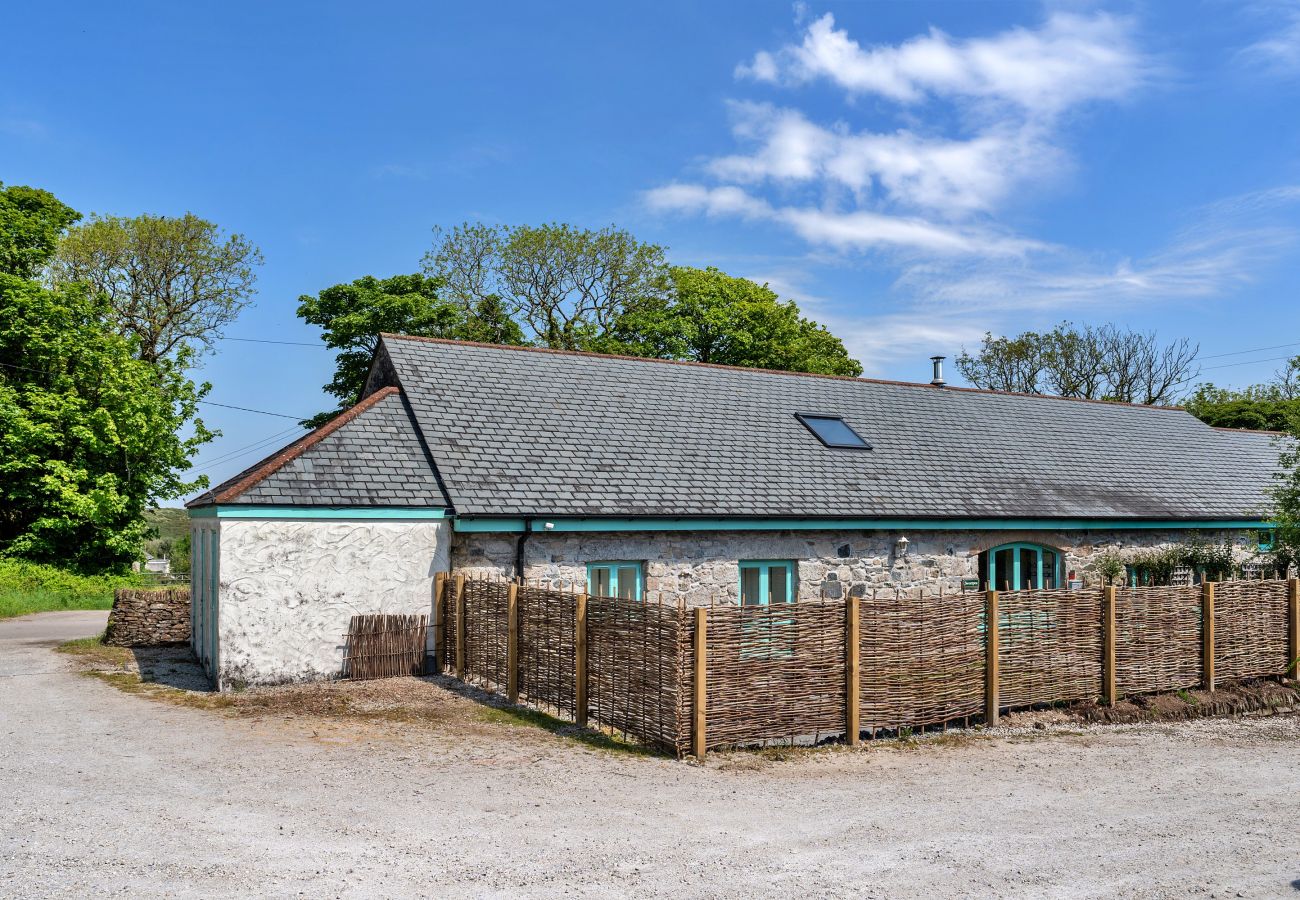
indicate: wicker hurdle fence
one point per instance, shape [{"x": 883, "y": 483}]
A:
[
  {"x": 695, "y": 680},
  {"x": 384, "y": 646}
]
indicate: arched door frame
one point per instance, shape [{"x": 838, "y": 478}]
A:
[{"x": 1016, "y": 567}]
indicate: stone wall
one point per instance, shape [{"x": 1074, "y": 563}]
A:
[
  {"x": 288, "y": 589},
  {"x": 700, "y": 567},
  {"x": 148, "y": 618}
]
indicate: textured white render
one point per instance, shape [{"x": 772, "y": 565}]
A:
[{"x": 289, "y": 588}]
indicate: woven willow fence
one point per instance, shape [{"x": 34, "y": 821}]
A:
[{"x": 700, "y": 679}]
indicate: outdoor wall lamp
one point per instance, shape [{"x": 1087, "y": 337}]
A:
[{"x": 900, "y": 547}]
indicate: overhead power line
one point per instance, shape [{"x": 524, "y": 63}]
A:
[
  {"x": 1256, "y": 350},
  {"x": 254, "y": 447},
  {"x": 316, "y": 344},
  {"x": 248, "y": 409}
]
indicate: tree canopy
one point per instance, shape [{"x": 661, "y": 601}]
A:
[
  {"x": 172, "y": 284},
  {"x": 1092, "y": 363},
  {"x": 1265, "y": 407},
  {"x": 31, "y": 222},
  {"x": 565, "y": 286},
  {"x": 353, "y": 315},
  {"x": 712, "y": 317},
  {"x": 89, "y": 433}
]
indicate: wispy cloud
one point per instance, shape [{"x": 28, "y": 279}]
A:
[
  {"x": 907, "y": 190},
  {"x": 982, "y": 123},
  {"x": 1231, "y": 242},
  {"x": 1277, "y": 51},
  {"x": 22, "y": 128},
  {"x": 841, "y": 230}
]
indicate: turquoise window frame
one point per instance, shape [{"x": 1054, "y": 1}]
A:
[
  {"x": 1017, "y": 571},
  {"x": 613, "y": 566},
  {"x": 765, "y": 567},
  {"x": 765, "y": 636},
  {"x": 1264, "y": 539}
]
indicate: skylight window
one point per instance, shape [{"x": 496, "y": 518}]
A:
[{"x": 833, "y": 432}]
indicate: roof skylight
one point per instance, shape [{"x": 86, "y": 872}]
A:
[{"x": 833, "y": 431}]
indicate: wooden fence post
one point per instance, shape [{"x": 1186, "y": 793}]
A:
[
  {"x": 512, "y": 642},
  {"x": 1293, "y": 626},
  {"x": 699, "y": 742},
  {"x": 1207, "y": 634},
  {"x": 580, "y": 661},
  {"x": 851, "y": 672},
  {"x": 991, "y": 658},
  {"x": 460, "y": 627},
  {"x": 1108, "y": 691},
  {"x": 439, "y": 587}
]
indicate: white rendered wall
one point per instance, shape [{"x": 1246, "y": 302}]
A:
[{"x": 288, "y": 589}]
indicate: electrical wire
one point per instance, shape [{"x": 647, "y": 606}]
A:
[{"x": 250, "y": 448}]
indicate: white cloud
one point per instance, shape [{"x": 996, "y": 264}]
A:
[
  {"x": 1278, "y": 51},
  {"x": 1068, "y": 60},
  {"x": 718, "y": 201},
  {"x": 880, "y": 342},
  {"x": 913, "y": 189},
  {"x": 948, "y": 177},
  {"x": 857, "y": 230},
  {"x": 1231, "y": 242}
]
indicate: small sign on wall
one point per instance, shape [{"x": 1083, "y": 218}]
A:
[{"x": 970, "y": 584}]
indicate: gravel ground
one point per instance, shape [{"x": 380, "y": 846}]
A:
[{"x": 108, "y": 793}]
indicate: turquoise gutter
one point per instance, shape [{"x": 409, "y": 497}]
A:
[
  {"x": 541, "y": 523},
  {"x": 392, "y": 513}
]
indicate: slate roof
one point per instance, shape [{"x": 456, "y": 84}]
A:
[
  {"x": 369, "y": 456},
  {"x": 525, "y": 432}
]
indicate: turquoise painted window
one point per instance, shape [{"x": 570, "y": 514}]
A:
[
  {"x": 615, "y": 579},
  {"x": 764, "y": 582},
  {"x": 765, "y": 585},
  {"x": 1264, "y": 539},
  {"x": 1017, "y": 567}
]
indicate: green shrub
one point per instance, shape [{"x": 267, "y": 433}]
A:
[{"x": 27, "y": 587}]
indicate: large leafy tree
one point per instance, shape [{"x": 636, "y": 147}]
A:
[
  {"x": 31, "y": 221},
  {"x": 172, "y": 283},
  {"x": 565, "y": 286},
  {"x": 1093, "y": 363},
  {"x": 89, "y": 433},
  {"x": 712, "y": 317},
  {"x": 353, "y": 315}
]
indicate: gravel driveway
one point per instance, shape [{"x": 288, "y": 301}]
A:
[{"x": 108, "y": 793}]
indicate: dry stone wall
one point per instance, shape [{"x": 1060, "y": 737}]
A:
[{"x": 148, "y": 618}]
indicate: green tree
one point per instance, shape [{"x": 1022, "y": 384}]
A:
[
  {"x": 565, "y": 286},
  {"x": 1285, "y": 497},
  {"x": 713, "y": 317},
  {"x": 353, "y": 315},
  {"x": 173, "y": 284},
  {"x": 1093, "y": 363},
  {"x": 88, "y": 432},
  {"x": 31, "y": 221},
  {"x": 1265, "y": 407}
]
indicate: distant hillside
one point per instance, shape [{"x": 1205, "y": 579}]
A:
[{"x": 172, "y": 524}]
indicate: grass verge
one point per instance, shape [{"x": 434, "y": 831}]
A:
[{"x": 27, "y": 587}]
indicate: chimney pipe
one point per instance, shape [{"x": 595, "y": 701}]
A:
[{"x": 937, "y": 380}]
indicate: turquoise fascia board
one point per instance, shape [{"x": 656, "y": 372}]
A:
[
  {"x": 392, "y": 513},
  {"x": 540, "y": 523}
]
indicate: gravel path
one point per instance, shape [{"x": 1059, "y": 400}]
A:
[{"x": 108, "y": 793}]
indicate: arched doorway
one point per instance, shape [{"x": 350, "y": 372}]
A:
[{"x": 1015, "y": 567}]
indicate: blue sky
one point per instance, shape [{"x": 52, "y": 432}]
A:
[{"x": 914, "y": 174}]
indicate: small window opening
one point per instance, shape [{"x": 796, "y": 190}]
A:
[{"x": 833, "y": 431}]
